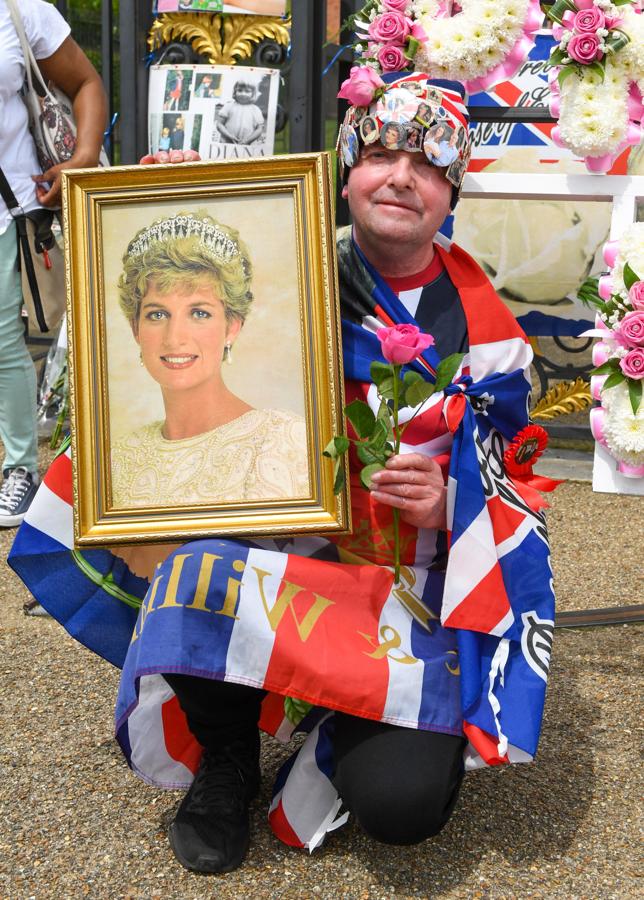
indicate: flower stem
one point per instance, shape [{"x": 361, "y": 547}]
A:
[{"x": 397, "y": 436}]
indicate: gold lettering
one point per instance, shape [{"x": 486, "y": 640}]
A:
[
  {"x": 147, "y": 608},
  {"x": 392, "y": 641},
  {"x": 412, "y": 602},
  {"x": 285, "y": 601},
  {"x": 203, "y": 582},
  {"x": 170, "y": 599},
  {"x": 232, "y": 593}
]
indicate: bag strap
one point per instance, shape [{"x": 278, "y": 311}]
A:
[
  {"x": 20, "y": 219},
  {"x": 31, "y": 63},
  {"x": 8, "y": 195}
]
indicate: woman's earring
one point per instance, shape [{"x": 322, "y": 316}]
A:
[
  {"x": 141, "y": 363},
  {"x": 228, "y": 354}
]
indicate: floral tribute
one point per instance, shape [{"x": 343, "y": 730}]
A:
[
  {"x": 477, "y": 42},
  {"x": 379, "y": 435},
  {"x": 597, "y": 79},
  {"x": 618, "y": 423}
]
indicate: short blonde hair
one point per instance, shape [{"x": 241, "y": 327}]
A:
[{"x": 185, "y": 250}]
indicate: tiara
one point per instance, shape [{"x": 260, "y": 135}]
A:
[{"x": 210, "y": 236}]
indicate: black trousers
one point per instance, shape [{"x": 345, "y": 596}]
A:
[{"x": 399, "y": 783}]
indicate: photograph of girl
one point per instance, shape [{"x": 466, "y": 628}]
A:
[{"x": 185, "y": 290}]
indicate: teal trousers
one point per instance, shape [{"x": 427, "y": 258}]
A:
[{"x": 17, "y": 374}]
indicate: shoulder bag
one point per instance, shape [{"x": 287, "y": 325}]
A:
[{"x": 51, "y": 117}]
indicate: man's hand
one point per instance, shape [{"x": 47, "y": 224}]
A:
[
  {"x": 173, "y": 156},
  {"x": 413, "y": 483}
]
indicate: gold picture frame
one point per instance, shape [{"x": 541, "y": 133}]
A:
[{"x": 289, "y": 355}]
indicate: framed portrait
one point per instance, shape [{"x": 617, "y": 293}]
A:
[{"x": 205, "y": 350}]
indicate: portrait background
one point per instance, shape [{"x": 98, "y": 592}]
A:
[{"x": 267, "y": 357}]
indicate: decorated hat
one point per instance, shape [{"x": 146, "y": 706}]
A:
[{"x": 406, "y": 111}]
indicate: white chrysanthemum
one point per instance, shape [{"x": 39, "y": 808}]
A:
[
  {"x": 482, "y": 34},
  {"x": 624, "y": 431},
  {"x": 631, "y": 251}
]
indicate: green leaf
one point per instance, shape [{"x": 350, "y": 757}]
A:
[
  {"x": 379, "y": 435},
  {"x": 369, "y": 455},
  {"x": 386, "y": 388},
  {"x": 606, "y": 367},
  {"x": 566, "y": 72},
  {"x": 336, "y": 447},
  {"x": 380, "y": 372},
  {"x": 361, "y": 417},
  {"x": 367, "y": 472},
  {"x": 418, "y": 392},
  {"x": 447, "y": 369},
  {"x": 599, "y": 68},
  {"x": 635, "y": 394},
  {"x": 630, "y": 278},
  {"x": 557, "y": 57},
  {"x": 412, "y": 47},
  {"x": 617, "y": 40},
  {"x": 558, "y": 8},
  {"x": 338, "y": 482},
  {"x": 613, "y": 380}
]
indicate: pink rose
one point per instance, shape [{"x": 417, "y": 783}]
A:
[
  {"x": 396, "y": 5},
  {"x": 589, "y": 20},
  {"x": 584, "y": 48},
  {"x": 403, "y": 343},
  {"x": 632, "y": 365},
  {"x": 630, "y": 331},
  {"x": 392, "y": 58},
  {"x": 390, "y": 28},
  {"x": 361, "y": 85},
  {"x": 636, "y": 295}
]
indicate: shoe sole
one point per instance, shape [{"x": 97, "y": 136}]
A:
[
  {"x": 11, "y": 521},
  {"x": 192, "y": 867}
]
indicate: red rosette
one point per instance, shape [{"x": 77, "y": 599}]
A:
[{"x": 524, "y": 450}]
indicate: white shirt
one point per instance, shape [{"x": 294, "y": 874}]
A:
[{"x": 46, "y": 30}]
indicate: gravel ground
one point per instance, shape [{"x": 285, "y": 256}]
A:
[{"x": 74, "y": 822}]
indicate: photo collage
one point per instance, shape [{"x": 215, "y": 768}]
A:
[
  {"x": 221, "y": 112},
  {"x": 423, "y": 127}
]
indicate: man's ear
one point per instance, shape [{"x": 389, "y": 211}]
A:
[{"x": 345, "y": 192}]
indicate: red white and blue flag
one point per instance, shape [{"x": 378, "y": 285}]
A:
[{"x": 321, "y": 625}]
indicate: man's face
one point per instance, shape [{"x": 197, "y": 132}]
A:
[{"x": 396, "y": 198}]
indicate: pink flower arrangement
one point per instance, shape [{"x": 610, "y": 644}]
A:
[
  {"x": 630, "y": 331},
  {"x": 585, "y": 48},
  {"x": 636, "y": 295},
  {"x": 361, "y": 86},
  {"x": 390, "y": 28},
  {"x": 632, "y": 365},
  {"x": 401, "y": 344}
]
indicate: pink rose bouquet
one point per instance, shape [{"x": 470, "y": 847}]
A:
[
  {"x": 585, "y": 48},
  {"x": 632, "y": 365},
  {"x": 390, "y": 28},
  {"x": 586, "y": 33},
  {"x": 361, "y": 86},
  {"x": 636, "y": 295},
  {"x": 379, "y": 435},
  {"x": 630, "y": 331}
]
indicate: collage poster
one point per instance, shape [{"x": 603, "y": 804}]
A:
[{"x": 222, "y": 112}]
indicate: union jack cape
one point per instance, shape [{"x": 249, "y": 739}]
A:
[{"x": 460, "y": 645}]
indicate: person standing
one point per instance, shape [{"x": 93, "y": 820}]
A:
[{"x": 63, "y": 62}]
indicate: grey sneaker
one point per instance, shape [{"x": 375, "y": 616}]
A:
[{"x": 16, "y": 493}]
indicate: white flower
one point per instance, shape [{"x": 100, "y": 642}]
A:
[{"x": 623, "y": 430}]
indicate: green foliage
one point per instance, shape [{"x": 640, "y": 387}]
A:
[
  {"x": 635, "y": 394},
  {"x": 361, "y": 417},
  {"x": 630, "y": 278}
]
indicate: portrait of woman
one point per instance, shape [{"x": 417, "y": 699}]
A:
[
  {"x": 392, "y": 136},
  {"x": 185, "y": 290},
  {"x": 369, "y": 130}
]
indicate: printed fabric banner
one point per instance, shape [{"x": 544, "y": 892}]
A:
[{"x": 222, "y": 112}]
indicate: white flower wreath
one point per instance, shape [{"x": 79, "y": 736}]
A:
[
  {"x": 484, "y": 43},
  {"x": 595, "y": 113}
]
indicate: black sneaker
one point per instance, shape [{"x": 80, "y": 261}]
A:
[
  {"x": 211, "y": 830},
  {"x": 16, "y": 493}
]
